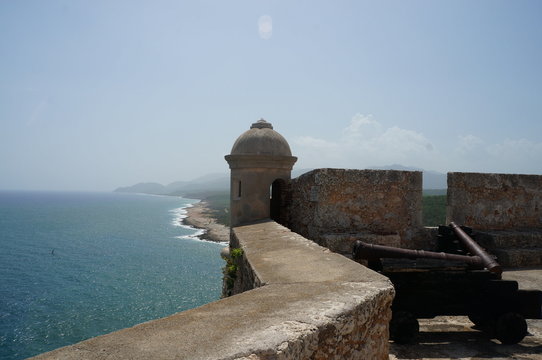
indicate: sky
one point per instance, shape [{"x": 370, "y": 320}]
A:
[{"x": 100, "y": 94}]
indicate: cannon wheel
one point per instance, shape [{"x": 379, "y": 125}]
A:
[
  {"x": 482, "y": 320},
  {"x": 404, "y": 327},
  {"x": 479, "y": 320},
  {"x": 510, "y": 328}
]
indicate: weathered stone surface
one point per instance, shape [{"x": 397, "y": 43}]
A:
[
  {"x": 284, "y": 321},
  {"x": 261, "y": 139},
  {"x": 519, "y": 257},
  {"x": 335, "y": 201},
  {"x": 495, "y": 201},
  {"x": 506, "y": 208},
  {"x": 503, "y": 239},
  {"x": 513, "y": 248},
  {"x": 272, "y": 254}
]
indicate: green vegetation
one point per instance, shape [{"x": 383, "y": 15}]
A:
[
  {"x": 237, "y": 252},
  {"x": 434, "y": 192},
  {"x": 434, "y": 210},
  {"x": 230, "y": 269}
]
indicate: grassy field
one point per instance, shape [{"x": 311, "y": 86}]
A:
[
  {"x": 434, "y": 192},
  {"x": 433, "y": 206}
]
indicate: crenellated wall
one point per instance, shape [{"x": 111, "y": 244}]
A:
[
  {"x": 495, "y": 201},
  {"x": 506, "y": 210},
  {"x": 334, "y": 207}
]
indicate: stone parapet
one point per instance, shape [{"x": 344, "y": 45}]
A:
[
  {"x": 495, "y": 201},
  {"x": 506, "y": 210},
  {"x": 386, "y": 203},
  {"x": 304, "y": 302},
  {"x": 347, "y": 311}
]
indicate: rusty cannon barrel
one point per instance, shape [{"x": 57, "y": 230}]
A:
[
  {"x": 374, "y": 252},
  {"x": 475, "y": 249}
]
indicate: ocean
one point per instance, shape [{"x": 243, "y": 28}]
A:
[{"x": 79, "y": 265}]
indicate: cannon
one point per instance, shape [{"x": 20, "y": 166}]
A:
[
  {"x": 373, "y": 253},
  {"x": 460, "y": 278}
]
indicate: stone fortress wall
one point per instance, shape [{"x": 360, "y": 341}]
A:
[
  {"x": 506, "y": 210},
  {"x": 495, "y": 201},
  {"x": 336, "y": 207}
]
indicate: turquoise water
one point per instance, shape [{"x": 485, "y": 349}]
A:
[{"x": 78, "y": 265}]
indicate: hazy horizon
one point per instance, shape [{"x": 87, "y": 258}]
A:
[{"x": 103, "y": 94}]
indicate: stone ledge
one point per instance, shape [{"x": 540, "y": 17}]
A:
[
  {"x": 265, "y": 320},
  {"x": 316, "y": 304},
  {"x": 277, "y": 255}
]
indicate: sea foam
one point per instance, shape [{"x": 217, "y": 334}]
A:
[{"x": 181, "y": 213}]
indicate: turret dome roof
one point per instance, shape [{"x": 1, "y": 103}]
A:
[{"x": 261, "y": 139}]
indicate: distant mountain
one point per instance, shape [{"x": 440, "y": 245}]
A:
[
  {"x": 144, "y": 188},
  {"x": 175, "y": 186},
  {"x": 209, "y": 182},
  {"x": 431, "y": 179}
]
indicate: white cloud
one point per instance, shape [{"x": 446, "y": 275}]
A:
[
  {"x": 519, "y": 155},
  {"x": 521, "y": 147},
  {"x": 509, "y": 156},
  {"x": 361, "y": 127},
  {"x": 405, "y": 141},
  {"x": 309, "y": 141},
  {"x": 365, "y": 142},
  {"x": 469, "y": 143}
]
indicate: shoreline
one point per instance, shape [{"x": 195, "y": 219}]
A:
[{"x": 197, "y": 216}]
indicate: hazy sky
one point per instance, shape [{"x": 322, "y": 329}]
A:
[{"x": 100, "y": 94}]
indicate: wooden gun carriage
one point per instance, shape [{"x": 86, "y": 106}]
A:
[{"x": 459, "y": 279}]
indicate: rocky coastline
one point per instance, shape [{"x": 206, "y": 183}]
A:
[{"x": 199, "y": 216}]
